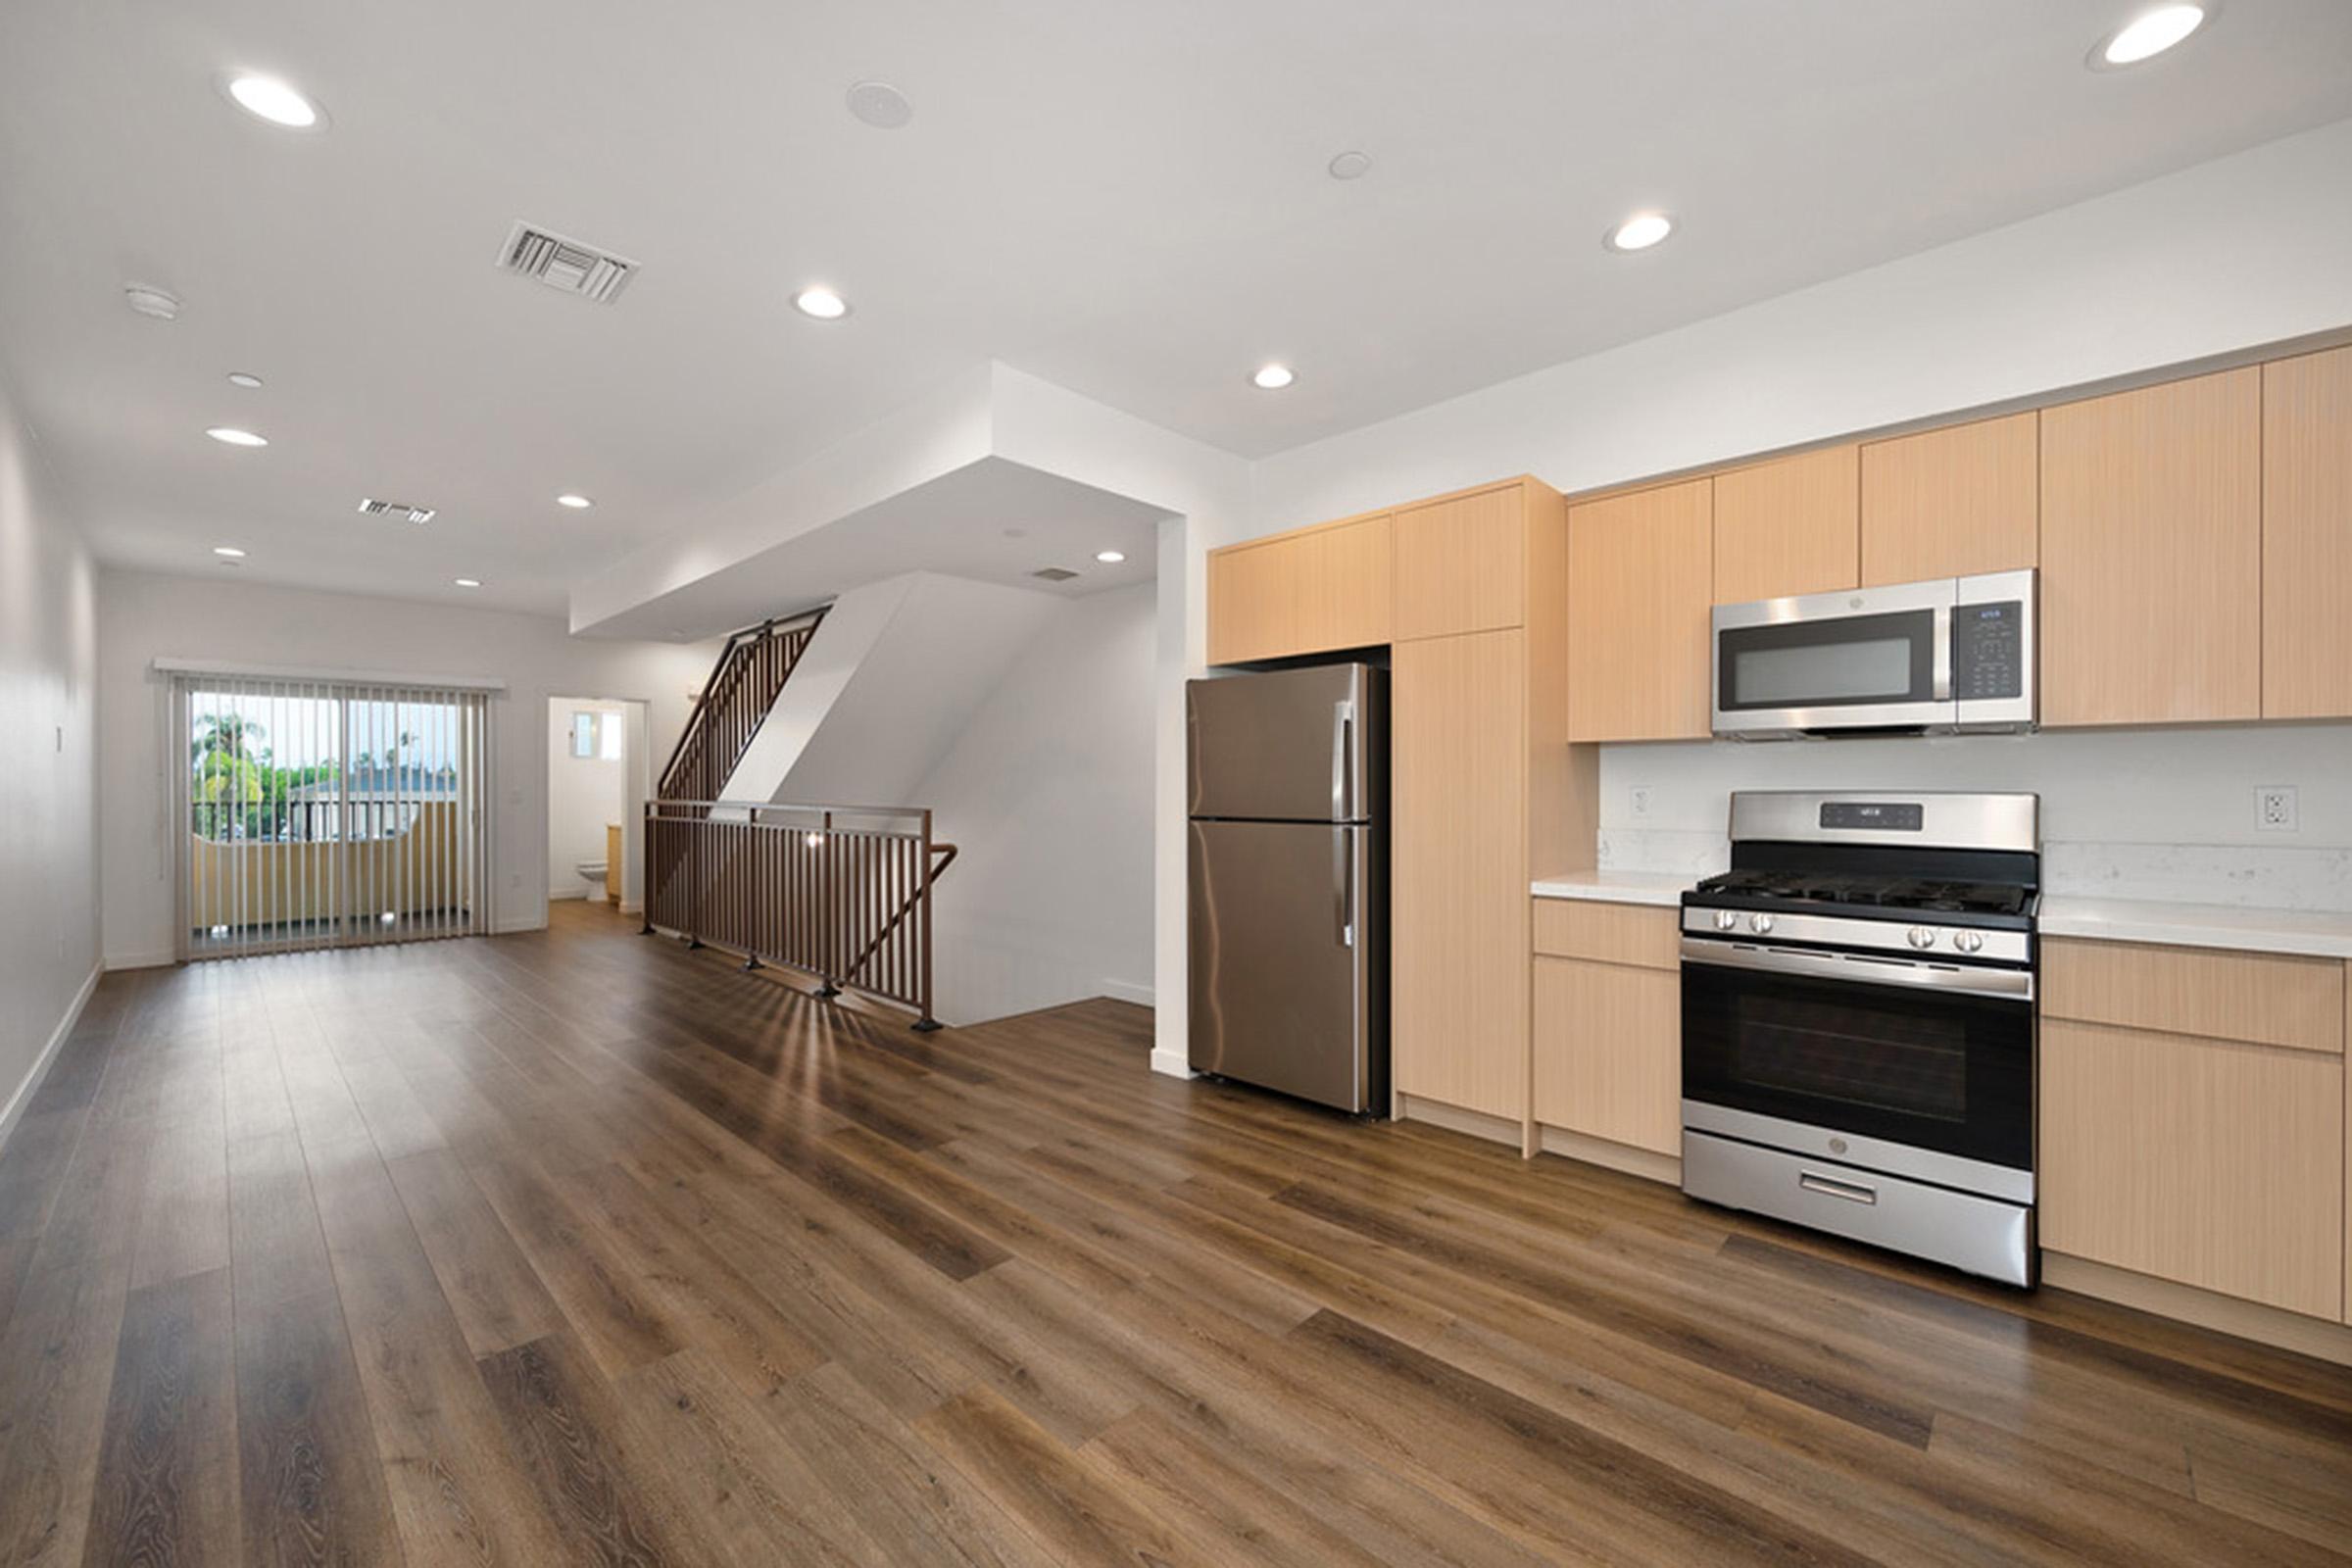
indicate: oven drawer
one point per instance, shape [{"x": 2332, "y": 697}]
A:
[
  {"x": 1977, "y": 1235},
  {"x": 2265, "y": 999}
]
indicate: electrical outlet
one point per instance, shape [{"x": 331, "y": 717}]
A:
[
  {"x": 1638, "y": 796},
  {"x": 2275, "y": 807}
]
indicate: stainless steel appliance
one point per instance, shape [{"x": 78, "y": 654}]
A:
[
  {"x": 1858, "y": 1029},
  {"x": 1287, "y": 791},
  {"x": 1954, "y": 654}
]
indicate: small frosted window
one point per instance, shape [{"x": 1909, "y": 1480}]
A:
[
  {"x": 609, "y": 724},
  {"x": 583, "y": 734}
]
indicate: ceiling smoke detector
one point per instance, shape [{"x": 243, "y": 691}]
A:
[
  {"x": 566, "y": 264},
  {"x": 373, "y": 508},
  {"x": 148, "y": 300},
  {"x": 880, "y": 104},
  {"x": 1054, "y": 573}
]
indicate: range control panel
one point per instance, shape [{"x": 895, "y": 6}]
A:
[{"x": 1988, "y": 651}]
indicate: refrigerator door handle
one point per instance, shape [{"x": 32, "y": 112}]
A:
[
  {"x": 1343, "y": 728},
  {"x": 1343, "y": 895}
]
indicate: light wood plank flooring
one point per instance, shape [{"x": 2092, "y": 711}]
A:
[{"x": 579, "y": 1248}]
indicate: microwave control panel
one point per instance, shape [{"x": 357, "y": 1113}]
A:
[{"x": 1988, "y": 651}]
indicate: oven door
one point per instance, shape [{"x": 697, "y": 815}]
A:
[
  {"x": 1923, "y": 1056},
  {"x": 1873, "y": 658}
]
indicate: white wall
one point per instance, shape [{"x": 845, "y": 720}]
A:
[
  {"x": 142, "y": 617},
  {"x": 48, "y": 780},
  {"x": 583, "y": 793},
  {"x": 1049, "y": 793},
  {"x": 2163, "y": 813}
]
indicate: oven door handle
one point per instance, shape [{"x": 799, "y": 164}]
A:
[{"x": 2002, "y": 985}]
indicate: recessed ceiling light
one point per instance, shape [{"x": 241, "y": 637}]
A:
[
  {"x": 1110, "y": 558},
  {"x": 575, "y": 501},
  {"x": 273, "y": 100},
  {"x": 235, "y": 437},
  {"x": 228, "y": 552},
  {"x": 148, "y": 300},
  {"x": 1271, "y": 377},
  {"x": 468, "y": 582},
  {"x": 822, "y": 303},
  {"x": 244, "y": 379},
  {"x": 880, "y": 104},
  {"x": 1351, "y": 166},
  {"x": 2147, "y": 35},
  {"x": 1638, "y": 232}
]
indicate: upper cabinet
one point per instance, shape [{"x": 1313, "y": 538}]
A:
[
  {"x": 2307, "y": 536},
  {"x": 1789, "y": 526},
  {"x": 1306, "y": 592},
  {"x": 1461, "y": 563},
  {"x": 1952, "y": 502},
  {"x": 1639, "y": 578},
  {"x": 2151, "y": 554}
]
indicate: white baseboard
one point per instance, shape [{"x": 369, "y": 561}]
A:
[
  {"x": 41, "y": 1065},
  {"x": 1171, "y": 1062},
  {"x": 141, "y": 960},
  {"x": 576, "y": 891},
  {"x": 632, "y": 905},
  {"x": 1127, "y": 991},
  {"x": 514, "y": 923}
]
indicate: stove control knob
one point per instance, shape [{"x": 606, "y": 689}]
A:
[
  {"x": 1969, "y": 941},
  {"x": 1920, "y": 936},
  {"x": 1725, "y": 920},
  {"x": 1759, "y": 923}
]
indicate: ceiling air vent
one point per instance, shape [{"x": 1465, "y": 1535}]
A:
[
  {"x": 396, "y": 508},
  {"x": 566, "y": 264},
  {"x": 1054, "y": 573}
]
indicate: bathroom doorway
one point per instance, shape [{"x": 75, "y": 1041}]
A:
[{"x": 597, "y": 783}]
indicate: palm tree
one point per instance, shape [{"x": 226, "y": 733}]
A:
[{"x": 226, "y": 735}]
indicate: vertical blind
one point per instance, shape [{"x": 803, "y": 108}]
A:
[{"x": 327, "y": 813}]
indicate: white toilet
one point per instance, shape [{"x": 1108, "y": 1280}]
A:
[{"x": 593, "y": 872}]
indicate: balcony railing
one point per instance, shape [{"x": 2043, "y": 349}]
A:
[{"x": 839, "y": 892}]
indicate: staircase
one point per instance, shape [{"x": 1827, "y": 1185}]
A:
[
  {"x": 744, "y": 684},
  {"x": 839, "y": 892}
]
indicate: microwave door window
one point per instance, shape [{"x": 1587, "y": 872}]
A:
[{"x": 1809, "y": 674}]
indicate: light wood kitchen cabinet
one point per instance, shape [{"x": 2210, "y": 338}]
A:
[
  {"x": 1608, "y": 1053},
  {"x": 1309, "y": 591},
  {"x": 2307, "y": 536},
  {"x": 1640, "y": 580},
  {"x": 1461, "y": 562},
  {"x": 2151, "y": 554},
  {"x": 2264, "y": 999},
  {"x": 1608, "y": 1059},
  {"x": 1952, "y": 502},
  {"x": 2210, "y": 1162},
  {"x": 1789, "y": 526},
  {"x": 1458, "y": 870}
]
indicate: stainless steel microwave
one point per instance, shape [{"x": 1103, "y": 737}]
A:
[{"x": 1950, "y": 655}]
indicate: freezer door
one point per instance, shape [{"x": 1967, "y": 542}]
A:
[
  {"x": 1293, "y": 745},
  {"x": 1285, "y": 951}
]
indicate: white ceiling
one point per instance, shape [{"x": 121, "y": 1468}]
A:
[{"x": 1129, "y": 200}]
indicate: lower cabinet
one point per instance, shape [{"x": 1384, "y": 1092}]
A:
[
  {"x": 1608, "y": 1056},
  {"x": 2209, "y": 1161}
]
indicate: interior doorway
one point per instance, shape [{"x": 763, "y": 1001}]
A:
[{"x": 597, "y": 762}]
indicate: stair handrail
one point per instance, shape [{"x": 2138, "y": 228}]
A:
[
  {"x": 797, "y": 918},
  {"x": 744, "y": 637}
]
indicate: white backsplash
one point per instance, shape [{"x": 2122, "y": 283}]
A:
[{"x": 2153, "y": 813}]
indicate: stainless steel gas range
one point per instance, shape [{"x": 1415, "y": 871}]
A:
[{"x": 1858, "y": 1021}]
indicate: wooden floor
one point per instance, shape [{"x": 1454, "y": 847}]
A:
[{"x": 578, "y": 1247}]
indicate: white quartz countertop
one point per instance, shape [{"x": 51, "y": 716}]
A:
[
  {"x": 1618, "y": 887},
  {"x": 2315, "y": 933}
]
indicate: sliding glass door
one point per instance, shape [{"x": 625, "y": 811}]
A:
[{"x": 327, "y": 813}]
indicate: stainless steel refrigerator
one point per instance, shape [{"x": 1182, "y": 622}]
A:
[{"x": 1289, "y": 881}]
